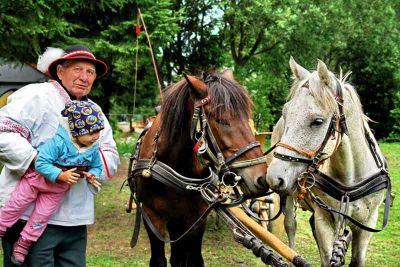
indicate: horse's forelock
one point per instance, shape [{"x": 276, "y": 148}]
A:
[
  {"x": 325, "y": 96},
  {"x": 228, "y": 98}
]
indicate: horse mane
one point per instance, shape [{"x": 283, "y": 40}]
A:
[
  {"x": 326, "y": 96},
  {"x": 227, "y": 99}
]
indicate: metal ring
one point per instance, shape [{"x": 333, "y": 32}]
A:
[
  {"x": 305, "y": 175},
  {"x": 224, "y": 177},
  {"x": 203, "y": 147},
  {"x": 198, "y": 135}
]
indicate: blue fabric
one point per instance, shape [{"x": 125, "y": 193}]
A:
[
  {"x": 61, "y": 150},
  {"x": 83, "y": 117}
]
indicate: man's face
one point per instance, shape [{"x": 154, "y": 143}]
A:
[{"x": 77, "y": 77}]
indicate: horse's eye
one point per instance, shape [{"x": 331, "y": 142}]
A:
[
  {"x": 222, "y": 122},
  {"x": 317, "y": 122}
]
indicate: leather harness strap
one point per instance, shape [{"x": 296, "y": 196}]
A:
[
  {"x": 382, "y": 184},
  {"x": 166, "y": 175}
]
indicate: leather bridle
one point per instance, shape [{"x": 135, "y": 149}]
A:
[
  {"x": 202, "y": 134},
  {"x": 337, "y": 126}
]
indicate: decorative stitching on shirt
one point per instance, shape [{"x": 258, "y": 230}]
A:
[
  {"x": 7, "y": 125},
  {"x": 61, "y": 91}
]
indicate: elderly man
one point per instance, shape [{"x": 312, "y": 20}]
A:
[{"x": 30, "y": 117}]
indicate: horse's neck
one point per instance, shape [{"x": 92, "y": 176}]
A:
[
  {"x": 180, "y": 157},
  {"x": 353, "y": 161}
]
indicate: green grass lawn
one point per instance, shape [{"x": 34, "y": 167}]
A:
[{"x": 110, "y": 236}]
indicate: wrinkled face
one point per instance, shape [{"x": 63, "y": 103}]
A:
[
  {"x": 305, "y": 125},
  {"x": 77, "y": 77},
  {"x": 232, "y": 134}
]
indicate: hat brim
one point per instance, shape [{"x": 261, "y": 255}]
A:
[{"x": 101, "y": 67}]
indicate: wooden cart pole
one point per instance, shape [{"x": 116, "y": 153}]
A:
[{"x": 269, "y": 239}]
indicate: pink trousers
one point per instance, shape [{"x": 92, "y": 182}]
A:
[{"x": 32, "y": 186}]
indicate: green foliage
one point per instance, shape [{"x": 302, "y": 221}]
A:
[
  {"x": 25, "y": 33},
  {"x": 395, "y": 117},
  {"x": 255, "y": 38},
  {"x": 125, "y": 142},
  {"x": 373, "y": 55}
]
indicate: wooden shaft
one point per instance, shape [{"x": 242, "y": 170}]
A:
[
  {"x": 265, "y": 236},
  {"x": 152, "y": 55}
]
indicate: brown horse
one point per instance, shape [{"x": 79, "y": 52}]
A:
[{"x": 202, "y": 132}]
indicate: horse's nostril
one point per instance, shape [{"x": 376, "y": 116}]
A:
[
  {"x": 281, "y": 182},
  {"x": 262, "y": 182},
  {"x": 277, "y": 184}
]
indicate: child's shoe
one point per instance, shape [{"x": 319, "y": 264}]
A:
[{"x": 20, "y": 250}]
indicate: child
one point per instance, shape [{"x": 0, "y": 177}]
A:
[{"x": 59, "y": 164}]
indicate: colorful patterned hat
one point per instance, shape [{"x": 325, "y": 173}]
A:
[{"x": 83, "y": 117}]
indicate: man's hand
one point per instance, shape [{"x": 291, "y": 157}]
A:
[
  {"x": 92, "y": 179},
  {"x": 70, "y": 176}
]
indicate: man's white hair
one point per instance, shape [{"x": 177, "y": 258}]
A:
[{"x": 48, "y": 57}]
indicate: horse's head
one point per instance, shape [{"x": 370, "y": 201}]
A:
[
  {"x": 217, "y": 133},
  {"x": 309, "y": 126}
]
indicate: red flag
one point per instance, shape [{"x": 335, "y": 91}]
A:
[{"x": 137, "y": 29}]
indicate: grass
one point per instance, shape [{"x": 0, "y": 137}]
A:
[{"x": 110, "y": 236}]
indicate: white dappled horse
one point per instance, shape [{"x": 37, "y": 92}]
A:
[{"x": 328, "y": 155}]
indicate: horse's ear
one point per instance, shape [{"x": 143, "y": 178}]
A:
[
  {"x": 197, "y": 85},
  {"x": 298, "y": 71},
  {"x": 228, "y": 73},
  {"x": 323, "y": 72}
]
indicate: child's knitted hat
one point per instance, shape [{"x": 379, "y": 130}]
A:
[{"x": 83, "y": 117}]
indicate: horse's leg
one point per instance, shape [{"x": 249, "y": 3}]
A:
[
  {"x": 359, "y": 246},
  {"x": 324, "y": 235},
  {"x": 290, "y": 222},
  {"x": 367, "y": 212},
  {"x": 187, "y": 251},
  {"x": 157, "y": 258}
]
